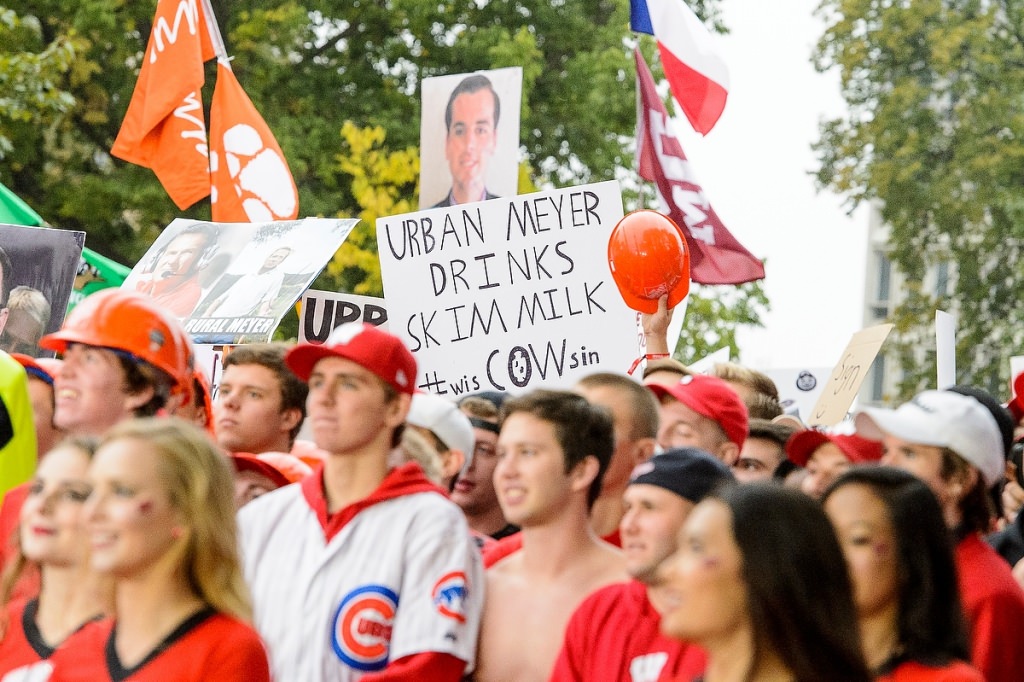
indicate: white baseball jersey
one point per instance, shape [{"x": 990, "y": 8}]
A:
[{"x": 400, "y": 577}]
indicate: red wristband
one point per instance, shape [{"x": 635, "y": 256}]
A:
[{"x": 649, "y": 356}]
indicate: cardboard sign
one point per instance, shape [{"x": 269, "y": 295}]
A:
[
  {"x": 322, "y": 311},
  {"x": 38, "y": 265},
  {"x": 848, "y": 375},
  {"x": 232, "y": 283},
  {"x": 508, "y": 294}
]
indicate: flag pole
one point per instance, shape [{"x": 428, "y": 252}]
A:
[{"x": 216, "y": 39}]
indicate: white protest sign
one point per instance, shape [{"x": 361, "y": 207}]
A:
[
  {"x": 799, "y": 387},
  {"x": 322, "y": 311},
  {"x": 210, "y": 361},
  {"x": 945, "y": 350},
  {"x": 508, "y": 294}
]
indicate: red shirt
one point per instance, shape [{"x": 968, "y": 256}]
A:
[
  {"x": 614, "y": 635},
  {"x": 994, "y": 606},
  {"x": 207, "y": 646},
  {"x": 912, "y": 671},
  {"x": 10, "y": 514}
]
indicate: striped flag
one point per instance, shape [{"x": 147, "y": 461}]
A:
[{"x": 696, "y": 73}]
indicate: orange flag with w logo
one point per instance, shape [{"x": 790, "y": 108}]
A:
[
  {"x": 164, "y": 128},
  {"x": 251, "y": 179}
]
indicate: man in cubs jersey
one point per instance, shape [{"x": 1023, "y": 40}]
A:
[
  {"x": 361, "y": 572},
  {"x": 614, "y": 635}
]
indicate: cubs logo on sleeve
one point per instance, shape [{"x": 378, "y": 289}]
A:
[
  {"x": 361, "y": 630},
  {"x": 449, "y": 594}
]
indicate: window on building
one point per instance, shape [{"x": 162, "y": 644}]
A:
[
  {"x": 884, "y": 277},
  {"x": 942, "y": 279},
  {"x": 878, "y": 379}
]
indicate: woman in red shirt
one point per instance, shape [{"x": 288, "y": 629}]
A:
[
  {"x": 161, "y": 520},
  {"x": 51, "y": 540},
  {"x": 900, "y": 556}
]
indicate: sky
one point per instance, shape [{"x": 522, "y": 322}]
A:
[{"x": 754, "y": 167}]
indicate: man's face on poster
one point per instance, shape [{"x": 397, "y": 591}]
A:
[
  {"x": 471, "y": 140},
  {"x": 275, "y": 258},
  {"x": 21, "y": 333},
  {"x": 181, "y": 255}
]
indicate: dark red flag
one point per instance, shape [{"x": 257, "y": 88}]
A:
[{"x": 715, "y": 255}]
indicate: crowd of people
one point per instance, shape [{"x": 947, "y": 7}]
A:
[{"x": 320, "y": 519}]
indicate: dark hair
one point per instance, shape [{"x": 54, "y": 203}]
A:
[
  {"x": 467, "y": 86},
  {"x": 931, "y": 621},
  {"x": 271, "y": 355},
  {"x": 799, "y": 597},
  {"x": 583, "y": 430},
  {"x": 140, "y": 375},
  {"x": 976, "y": 507},
  {"x": 643, "y": 406},
  {"x": 769, "y": 430},
  {"x": 5, "y": 277}
]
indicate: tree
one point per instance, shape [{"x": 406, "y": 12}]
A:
[
  {"x": 935, "y": 134},
  {"x": 338, "y": 83},
  {"x": 29, "y": 76}
]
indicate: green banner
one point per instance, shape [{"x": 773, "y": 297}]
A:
[{"x": 14, "y": 211}]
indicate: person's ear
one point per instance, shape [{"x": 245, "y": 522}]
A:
[
  {"x": 728, "y": 453},
  {"x": 584, "y": 473},
  {"x": 134, "y": 401},
  {"x": 290, "y": 418},
  {"x": 642, "y": 451}
]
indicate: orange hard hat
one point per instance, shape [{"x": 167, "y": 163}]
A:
[
  {"x": 649, "y": 259},
  {"x": 131, "y": 323},
  {"x": 279, "y": 467}
]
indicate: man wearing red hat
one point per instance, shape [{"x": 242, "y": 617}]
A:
[
  {"x": 361, "y": 572},
  {"x": 826, "y": 455},
  {"x": 703, "y": 412}
]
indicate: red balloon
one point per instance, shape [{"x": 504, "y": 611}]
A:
[{"x": 648, "y": 258}]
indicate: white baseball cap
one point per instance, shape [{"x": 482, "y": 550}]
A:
[
  {"x": 445, "y": 420},
  {"x": 942, "y": 419}
]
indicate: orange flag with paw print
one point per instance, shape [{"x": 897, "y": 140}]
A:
[
  {"x": 251, "y": 179},
  {"x": 164, "y": 128}
]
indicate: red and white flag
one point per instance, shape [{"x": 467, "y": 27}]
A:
[
  {"x": 715, "y": 255},
  {"x": 251, "y": 179},
  {"x": 164, "y": 128},
  {"x": 695, "y": 71}
]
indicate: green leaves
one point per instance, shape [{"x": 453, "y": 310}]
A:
[{"x": 934, "y": 132}]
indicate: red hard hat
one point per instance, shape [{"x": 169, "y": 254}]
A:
[
  {"x": 648, "y": 259},
  {"x": 129, "y": 322}
]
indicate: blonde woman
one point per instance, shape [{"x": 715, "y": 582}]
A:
[
  {"x": 161, "y": 521},
  {"x": 52, "y": 542}
]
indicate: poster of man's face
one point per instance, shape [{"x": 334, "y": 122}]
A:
[
  {"x": 232, "y": 282},
  {"x": 37, "y": 271},
  {"x": 469, "y": 137}
]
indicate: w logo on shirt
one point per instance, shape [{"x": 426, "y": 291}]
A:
[
  {"x": 648, "y": 667},
  {"x": 361, "y": 630}
]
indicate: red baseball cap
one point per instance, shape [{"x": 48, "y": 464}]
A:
[
  {"x": 279, "y": 467},
  {"x": 370, "y": 347},
  {"x": 713, "y": 398},
  {"x": 802, "y": 444},
  {"x": 1016, "y": 404},
  {"x": 45, "y": 369}
]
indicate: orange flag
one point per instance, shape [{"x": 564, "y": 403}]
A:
[
  {"x": 251, "y": 179},
  {"x": 164, "y": 128}
]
